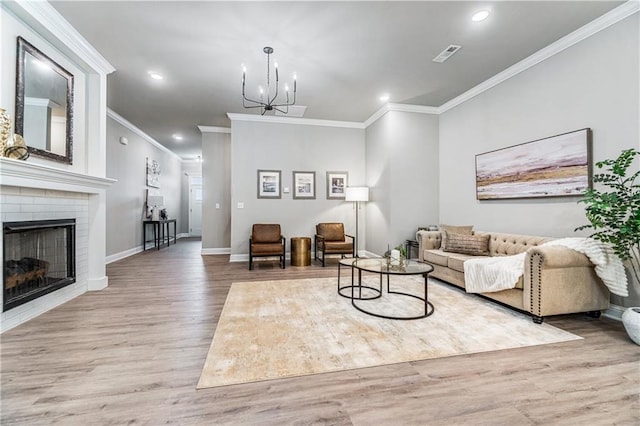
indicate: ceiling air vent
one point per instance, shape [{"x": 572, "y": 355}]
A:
[{"x": 447, "y": 53}]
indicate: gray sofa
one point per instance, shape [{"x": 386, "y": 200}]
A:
[{"x": 556, "y": 280}]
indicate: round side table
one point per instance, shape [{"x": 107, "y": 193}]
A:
[{"x": 300, "y": 251}]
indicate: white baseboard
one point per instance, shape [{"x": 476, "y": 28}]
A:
[
  {"x": 210, "y": 251},
  {"x": 245, "y": 257},
  {"x": 366, "y": 253},
  {"x": 123, "y": 254},
  {"x": 183, "y": 235},
  {"x": 614, "y": 312},
  {"x": 239, "y": 258},
  {"x": 96, "y": 284}
]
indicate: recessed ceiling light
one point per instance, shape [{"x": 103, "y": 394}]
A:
[
  {"x": 384, "y": 98},
  {"x": 154, "y": 75},
  {"x": 177, "y": 137},
  {"x": 480, "y": 16}
]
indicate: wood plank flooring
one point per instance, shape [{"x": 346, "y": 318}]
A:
[{"x": 132, "y": 354}]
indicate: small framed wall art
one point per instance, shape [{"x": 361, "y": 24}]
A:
[
  {"x": 336, "y": 185},
  {"x": 304, "y": 185},
  {"x": 269, "y": 184},
  {"x": 153, "y": 173}
]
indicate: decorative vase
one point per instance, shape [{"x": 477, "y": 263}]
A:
[
  {"x": 5, "y": 130},
  {"x": 16, "y": 148},
  {"x": 631, "y": 321}
]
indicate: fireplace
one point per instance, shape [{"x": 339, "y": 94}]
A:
[{"x": 39, "y": 257}]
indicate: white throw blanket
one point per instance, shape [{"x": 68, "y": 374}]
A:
[{"x": 485, "y": 275}]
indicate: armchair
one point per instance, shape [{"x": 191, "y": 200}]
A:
[
  {"x": 266, "y": 240},
  {"x": 331, "y": 239}
]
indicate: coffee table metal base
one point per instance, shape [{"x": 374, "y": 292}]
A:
[
  {"x": 428, "y": 307},
  {"x": 377, "y": 292}
]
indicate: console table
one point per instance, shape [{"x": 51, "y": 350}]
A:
[{"x": 159, "y": 234}]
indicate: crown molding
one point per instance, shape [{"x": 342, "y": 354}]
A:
[
  {"x": 123, "y": 121},
  {"x": 292, "y": 120},
  {"x": 213, "y": 129},
  {"x": 51, "y": 20},
  {"x": 420, "y": 109},
  {"x": 605, "y": 21}
]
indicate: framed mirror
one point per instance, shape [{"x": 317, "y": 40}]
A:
[{"x": 44, "y": 104}]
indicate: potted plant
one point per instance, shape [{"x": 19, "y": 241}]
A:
[{"x": 614, "y": 215}]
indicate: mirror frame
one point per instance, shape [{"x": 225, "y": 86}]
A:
[{"x": 26, "y": 47}]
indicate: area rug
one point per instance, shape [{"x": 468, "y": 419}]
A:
[{"x": 276, "y": 329}]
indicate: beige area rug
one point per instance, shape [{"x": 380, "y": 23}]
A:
[{"x": 276, "y": 329}]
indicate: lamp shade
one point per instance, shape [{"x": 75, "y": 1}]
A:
[
  {"x": 356, "y": 193},
  {"x": 155, "y": 200}
]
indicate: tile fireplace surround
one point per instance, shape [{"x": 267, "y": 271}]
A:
[{"x": 30, "y": 191}]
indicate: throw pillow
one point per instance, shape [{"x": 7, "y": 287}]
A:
[
  {"x": 464, "y": 230},
  {"x": 476, "y": 245}
]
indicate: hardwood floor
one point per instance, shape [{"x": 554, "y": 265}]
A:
[{"x": 132, "y": 354}]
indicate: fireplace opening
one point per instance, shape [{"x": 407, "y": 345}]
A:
[{"x": 39, "y": 257}]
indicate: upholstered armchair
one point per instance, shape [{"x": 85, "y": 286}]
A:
[
  {"x": 331, "y": 239},
  {"x": 266, "y": 240}
]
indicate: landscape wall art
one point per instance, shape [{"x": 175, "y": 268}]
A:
[{"x": 551, "y": 167}]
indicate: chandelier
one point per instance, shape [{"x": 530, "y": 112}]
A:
[{"x": 269, "y": 101}]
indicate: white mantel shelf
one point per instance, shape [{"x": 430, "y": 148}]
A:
[{"x": 31, "y": 175}]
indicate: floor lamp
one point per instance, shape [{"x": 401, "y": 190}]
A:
[{"x": 356, "y": 194}]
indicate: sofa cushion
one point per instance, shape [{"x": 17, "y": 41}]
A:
[
  {"x": 477, "y": 245},
  {"x": 456, "y": 261},
  {"x": 437, "y": 257},
  {"x": 464, "y": 229}
]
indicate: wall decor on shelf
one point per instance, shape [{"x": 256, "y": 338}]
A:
[
  {"x": 153, "y": 173},
  {"x": 556, "y": 166},
  {"x": 269, "y": 184},
  {"x": 336, "y": 184},
  {"x": 304, "y": 185}
]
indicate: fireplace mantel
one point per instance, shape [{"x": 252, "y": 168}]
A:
[{"x": 31, "y": 175}]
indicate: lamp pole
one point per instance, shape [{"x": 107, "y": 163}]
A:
[{"x": 357, "y": 194}]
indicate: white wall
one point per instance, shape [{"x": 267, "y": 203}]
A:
[
  {"x": 402, "y": 172},
  {"x": 125, "y": 198},
  {"x": 289, "y": 147},
  {"x": 592, "y": 84},
  {"x": 10, "y": 29}
]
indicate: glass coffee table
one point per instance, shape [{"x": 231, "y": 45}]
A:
[{"x": 382, "y": 267}]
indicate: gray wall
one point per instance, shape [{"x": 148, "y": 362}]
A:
[
  {"x": 592, "y": 84},
  {"x": 402, "y": 172},
  {"x": 289, "y": 147},
  {"x": 125, "y": 198},
  {"x": 216, "y": 181}
]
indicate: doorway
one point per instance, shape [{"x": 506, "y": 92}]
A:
[{"x": 195, "y": 206}]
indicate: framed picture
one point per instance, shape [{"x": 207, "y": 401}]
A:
[
  {"x": 153, "y": 173},
  {"x": 304, "y": 185},
  {"x": 336, "y": 185},
  {"x": 556, "y": 166},
  {"x": 269, "y": 184}
]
